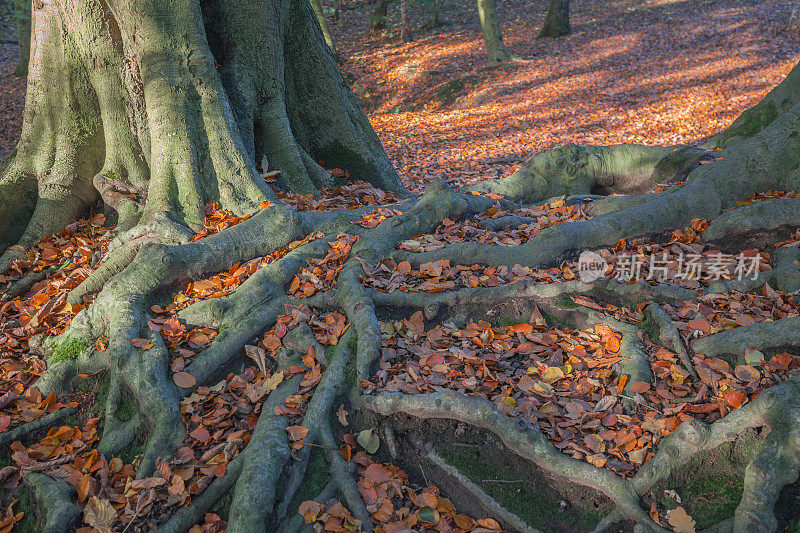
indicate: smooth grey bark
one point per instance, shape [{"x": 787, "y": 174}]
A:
[
  {"x": 158, "y": 108},
  {"x": 496, "y": 51},
  {"x": 556, "y": 23}
]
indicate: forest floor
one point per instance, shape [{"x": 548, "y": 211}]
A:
[
  {"x": 632, "y": 72},
  {"x": 12, "y": 99}
]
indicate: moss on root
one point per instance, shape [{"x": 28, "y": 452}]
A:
[
  {"x": 317, "y": 476},
  {"x": 750, "y": 123},
  {"x": 28, "y": 524},
  {"x": 711, "y": 484},
  {"x": 68, "y": 349}
]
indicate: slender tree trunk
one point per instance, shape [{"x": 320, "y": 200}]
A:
[
  {"x": 405, "y": 22},
  {"x": 22, "y": 14},
  {"x": 556, "y": 23},
  {"x": 378, "y": 19},
  {"x": 496, "y": 51},
  {"x": 337, "y": 8},
  {"x": 323, "y": 24}
]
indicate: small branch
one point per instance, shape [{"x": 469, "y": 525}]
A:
[{"x": 31, "y": 427}]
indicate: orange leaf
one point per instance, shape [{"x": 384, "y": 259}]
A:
[{"x": 297, "y": 433}]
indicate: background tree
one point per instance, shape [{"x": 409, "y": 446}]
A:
[
  {"x": 556, "y": 22},
  {"x": 378, "y": 18},
  {"x": 22, "y": 14},
  {"x": 496, "y": 51},
  {"x": 405, "y": 22},
  {"x": 323, "y": 23},
  {"x": 151, "y": 109}
]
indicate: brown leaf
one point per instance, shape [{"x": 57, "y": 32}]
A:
[
  {"x": 99, "y": 514},
  {"x": 184, "y": 380}
]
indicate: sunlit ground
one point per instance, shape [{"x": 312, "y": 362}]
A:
[{"x": 654, "y": 72}]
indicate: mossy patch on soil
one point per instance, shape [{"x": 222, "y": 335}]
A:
[{"x": 542, "y": 509}]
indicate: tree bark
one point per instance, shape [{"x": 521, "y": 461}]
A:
[
  {"x": 556, "y": 23},
  {"x": 496, "y": 51},
  {"x": 22, "y": 15},
  {"x": 158, "y": 108},
  {"x": 405, "y": 22},
  {"x": 378, "y": 19},
  {"x": 323, "y": 24}
]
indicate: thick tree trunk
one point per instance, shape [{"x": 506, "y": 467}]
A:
[
  {"x": 22, "y": 14},
  {"x": 378, "y": 18},
  {"x": 556, "y": 23},
  {"x": 163, "y": 106},
  {"x": 496, "y": 51}
]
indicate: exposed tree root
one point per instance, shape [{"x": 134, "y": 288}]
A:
[
  {"x": 55, "y": 499},
  {"x": 157, "y": 255},
  {"x": 43, "y": 422},
  {"x": 783, "y": 333}
]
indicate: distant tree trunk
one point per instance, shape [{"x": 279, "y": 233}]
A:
[
  {"x": 317, "y": 5},
  {"x": 22, "y": 14},
  {"x": 405, "y": 22},
  {"x": 337, "y": 5},
  {"x": 434, "y": 20},
  {"x": 556, "y": 23},
  {"x": 496, "y": 51},
  {"x": 378, "y": 19}
]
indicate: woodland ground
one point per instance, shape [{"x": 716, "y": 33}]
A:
[
  {"x": 592, "y": 385},
  {"x": 633, "y": 71}
]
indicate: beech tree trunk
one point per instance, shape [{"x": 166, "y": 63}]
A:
[
  {"x": 496, "y": 51},
  {"x": 405, "y": 22},
  {"x": 22, "y": 16},
  {"x": 378, "y": 19},
  {"x": 556, "y": 23},
  {"x": 158, "y": 107}
]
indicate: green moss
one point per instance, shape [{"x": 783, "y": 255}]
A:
[
  {"x": 536, "y": 507},
  {"x": 25, "y": 505},
  {"x": 712, "y": 483},
  {"x": 750, "y": 122},
  {"x": 590, "y": 519},
  {"x": 565, "y": 302},
  {"x": 350, "y": 376},
  {"x": 710, "y": 499},
  {"x": 68, "y": 349},
  {"x": 317, "y": 476}
]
